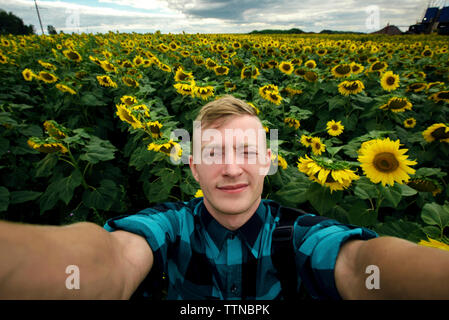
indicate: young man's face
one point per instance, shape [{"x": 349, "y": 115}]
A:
[{"x": 233, "y": 163}]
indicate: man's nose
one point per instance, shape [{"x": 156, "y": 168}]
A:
[{"x": 231, "y": 167}]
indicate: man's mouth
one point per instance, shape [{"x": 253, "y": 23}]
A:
[{"x": 233, "y": 188}]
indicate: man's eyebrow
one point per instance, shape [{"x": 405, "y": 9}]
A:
[{"x": 219, "y": 145}]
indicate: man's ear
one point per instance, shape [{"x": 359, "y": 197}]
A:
[
  {"x": 193, "y": 168},
  {"x": 267, "y": 164}
]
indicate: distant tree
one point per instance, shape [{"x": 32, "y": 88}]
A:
[
  {"x": 51, "y": 30},
  {"x": 11, "y": 24}
]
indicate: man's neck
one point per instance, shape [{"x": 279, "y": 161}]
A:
[{"x": 232, "y": 221}]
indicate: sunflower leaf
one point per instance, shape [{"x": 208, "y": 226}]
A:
[
  {"x": 103, "y": 197},
  {"x": 435, "y": 214}
]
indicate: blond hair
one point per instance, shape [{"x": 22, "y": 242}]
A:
[{"x": 223, "y": 108}]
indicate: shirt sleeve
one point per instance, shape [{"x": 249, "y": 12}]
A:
[
  {"x": 317, "y": 241},
  {"x": 160, "y": 227}
]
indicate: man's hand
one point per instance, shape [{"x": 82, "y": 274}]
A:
[
  {"x": 34, "y": 259},
  {"x": 406, "y": 270}
]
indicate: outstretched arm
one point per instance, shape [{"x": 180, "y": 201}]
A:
[
  {"x": 406, "y": 270},
  {"x": 33, "y": 261}
]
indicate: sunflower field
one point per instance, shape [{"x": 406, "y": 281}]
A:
[{"x": 362, "y": 120}]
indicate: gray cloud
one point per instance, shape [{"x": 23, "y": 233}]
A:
[{"x": 217, "y": 16}]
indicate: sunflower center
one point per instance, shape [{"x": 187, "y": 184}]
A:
[
  {"x": 443, "y": 95},
  {"x": 440, "y": 134},
  {"x": 391, "y": 81},
  {"x": 397, "y": 104},
  {"x": 334, "y": 127},
  {"x": 352, "y": 86},
  {"x": 385, "y": 162},
  {"x": 73, "y": 55},
  {"x": 378, "y": 66},
  {"x": 343, "y": 69}
]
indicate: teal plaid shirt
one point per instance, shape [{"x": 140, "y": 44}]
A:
[{"x": 204, "y": 260}]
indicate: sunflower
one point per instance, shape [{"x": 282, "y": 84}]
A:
[
  {"x": 317, "y": 146},
  {"x": 155, "y": 129},
  {"x": 389, "y": 81},
  {"x": 64, "y": 88},
  {"x": 311, "y": 76},
  {"x": 199, "y": 193},
  {"x": 440, "y": 96},
  {"x": 341, "y": 70},
  {"x": 274, "y": 97},
  {"x": 181, "y": 75},
  {"x": 130, "y": 82},
  {"x": 427, "y": 53},
  {"x": 416, "y": 87},
  {"x": 28, "y": 74},
  {"x": 335, "y": 175},
  {"x": 425, "y": 184},
  {"x": 254, "y": 107},
  {"x": 334, "y": 128},
  {"x": 229, "y": 86},
  {"x": 185, "y": 89},
  {"x": 350, "y": 87},
  {"x": 3, "y": 59},
  {"x": 47, "y": 77},
  {"x": 55, "y": 130},
  {"x": 47, "y": 145},
  {"x": 246, "y": 73},
  {"x": 204, "y": 92},
  {"x": 286, "y": 67},
  {"x": 437, "y": 132},
  {"x": 106, "y": 81},
  {"x": 47, "y": 65},
  {"x": 72, "y": 55},
  {"x": 383, "y": 161},
  {"x": 164, "y": 67},
  {"x": 128, "y": 100},
  {"x": 221, "y": 70},
  {"x": 198, "y": 60},
  {"x": 356, "y": 68},
  {"x": 95, "y": 60},
  {"x": 410, "y": 123},
  {"x": 292, "y": 122},
  {"x": 378, "y": 66},
  {"x": 127, "y": 64},
  {"x": 107, "y": 66},
  {"x": 141, "y": 109},
  {"x": 306, "y": 140},
  {"x": 300, "y": 72},
  {"x": 269, "y": 88},
  {"x": 432, "y": 243},
  {"x": 292, "y": 91},
  {"x": 281, "y": 162},
  {"x": 170, "y": 148},
  {"x": 211, "y": 64},
  {"x": 397, "y": 104},
  {"x": 163, "y": 48},
  {"x": 311, "y": 64},
  {"x": 125, "y": 115}
]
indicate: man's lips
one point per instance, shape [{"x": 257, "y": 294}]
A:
[{"x": 233, "y": 188}]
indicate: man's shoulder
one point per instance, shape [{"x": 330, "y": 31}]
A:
[{"x": 174, "y": 207}]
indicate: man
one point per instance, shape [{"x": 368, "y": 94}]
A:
[{"x": 219, "y": 246}]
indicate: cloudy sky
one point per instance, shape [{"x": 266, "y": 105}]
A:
[{"x": 217, "y": 16}]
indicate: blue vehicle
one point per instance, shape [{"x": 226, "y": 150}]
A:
[{"x": 434, "y": 20}]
